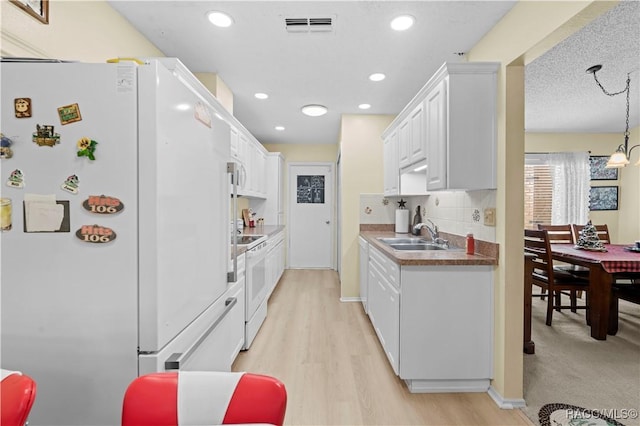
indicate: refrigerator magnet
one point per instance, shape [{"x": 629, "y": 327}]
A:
[
  {"x": 95, "y": 234},
  {"x": 69, "y": 114},
  {"x": 86, "y": 148},
  {"x": 22, "y": 107},
  {"x": 71, "y": 184},
  {"x": 5, "y": 147},
  {"x": 16, "y": 179},
  {"x": 45, "y": 136},
  {"x": 103, "y": 204}
]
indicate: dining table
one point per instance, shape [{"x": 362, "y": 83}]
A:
[{"x": 605, "y": 266}]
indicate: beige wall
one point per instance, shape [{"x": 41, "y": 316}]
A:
[
  {"x": 629, "y": 213},
  {"x": 525, "y": 32},
  {"x": 88, "y": 31},
  {"x": 218, "y": 88},
  {"x": 362, "y": 172}
]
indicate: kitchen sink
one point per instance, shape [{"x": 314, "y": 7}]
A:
[
  {"x": 404, "y": 240},
  {"x": 415, "y": 244},
  {"x": 420, "y": 246}
]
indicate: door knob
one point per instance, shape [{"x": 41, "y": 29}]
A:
[{"x": 327, "y": 222}]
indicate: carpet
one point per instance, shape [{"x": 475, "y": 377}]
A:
[
  {"x": 571, "y": 367},
  {"x": 571, "y": 415}
]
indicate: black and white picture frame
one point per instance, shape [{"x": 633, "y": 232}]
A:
[
  {"x": 310, "y": 189},
  {"x": 597, "y": 164},
  {"x": 603, "y": 198}
]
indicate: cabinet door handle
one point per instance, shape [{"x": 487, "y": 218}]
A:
[{"x": 178, "y": 358}]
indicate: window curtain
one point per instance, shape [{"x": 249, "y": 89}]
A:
[{"x": 571, "y": 182}]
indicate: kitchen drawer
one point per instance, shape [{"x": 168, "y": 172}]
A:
[{"x": 389, "y": 269}]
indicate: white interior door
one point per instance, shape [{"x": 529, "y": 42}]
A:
[{"x": 311, "y": 215}]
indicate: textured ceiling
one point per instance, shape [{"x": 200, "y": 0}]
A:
[
  {"x": 257, "y": 54},
  {"x": 562, "y": 97}
]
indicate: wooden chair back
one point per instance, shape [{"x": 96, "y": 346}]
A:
[
  {"x": 536, "y": 242},
  {"x": 558, "y": 234},
  {"x": 602, "y": 231}
]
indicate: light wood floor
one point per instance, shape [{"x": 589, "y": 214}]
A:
[{"x": 328, "y": 356}]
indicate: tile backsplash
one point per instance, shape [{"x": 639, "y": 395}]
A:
[{"x": 455, "y": 212}]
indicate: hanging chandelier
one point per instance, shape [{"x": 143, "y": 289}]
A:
[{"x": 620, "y": 158}]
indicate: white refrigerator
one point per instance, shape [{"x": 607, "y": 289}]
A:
[{"x": 116, "y": 264}]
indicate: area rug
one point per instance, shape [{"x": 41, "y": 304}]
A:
[{"x": 571, "y": 415}]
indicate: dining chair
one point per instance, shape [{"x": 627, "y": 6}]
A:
[
  {"x": 558, "y": 234},
  {"x": 18, "y": 393},
  {"x": 190, "y": 398},
  {"x": 601, "y": 230},
  {"x": 536, "y": 242},
  {"x": 563, "y": 234}
]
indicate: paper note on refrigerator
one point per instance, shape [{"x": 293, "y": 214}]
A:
[{"x": 42, "y": 213}]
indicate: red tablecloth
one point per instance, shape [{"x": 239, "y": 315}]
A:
[{"x": 616, "y": 259}]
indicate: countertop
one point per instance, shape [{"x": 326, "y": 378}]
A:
[
  {"x": 268, "y": 230},
  {"x": 427, "y": 257}
]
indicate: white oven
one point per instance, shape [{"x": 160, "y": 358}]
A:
[{"x": 256, "y": 290}]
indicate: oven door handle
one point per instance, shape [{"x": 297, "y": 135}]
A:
[{"x": 179, "y": 358}]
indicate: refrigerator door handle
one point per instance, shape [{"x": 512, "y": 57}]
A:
[
  {"x": 179, "y": 358},
  {"x": 232, "y": 169}
]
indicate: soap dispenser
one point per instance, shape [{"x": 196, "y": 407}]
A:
[{"x": 417, "y": 218}]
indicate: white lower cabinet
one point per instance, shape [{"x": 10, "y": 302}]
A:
[
  {"x": 274, "y": 262},
  {"x": 435, "y": 323}
]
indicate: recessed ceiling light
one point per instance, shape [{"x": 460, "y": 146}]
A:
[
  {"x": 279, "y": 128},
  {"x": 220, "y": 19},
  {"x": 364, "y": 106},
  {"x": 314, "y": 110},
  {"x": 261, "y": 95},
  {"x": 402, "y": 22},
  {"x": 378, "y": 76}
]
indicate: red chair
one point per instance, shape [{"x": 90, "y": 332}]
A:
[
  {"x": 190, "y": 398},
  {"x": 17, "y": 392}
]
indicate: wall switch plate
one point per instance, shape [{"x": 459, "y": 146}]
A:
[{"x": 490, "y": 217}]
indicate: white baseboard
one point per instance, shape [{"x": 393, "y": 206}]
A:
[
  {"x": 350, "y": 299},
  {"x": 507, "y": 404}
]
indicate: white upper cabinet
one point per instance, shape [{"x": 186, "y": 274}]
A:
[
  {"x": 404, "y": 143},
  {"x": 417, "y": 142},
  {"x": 251, "y": 157},
  {"x": 390, "y": 160},
  {"x": 436, "y": 136},
  {"x": 450, "y": 126}
]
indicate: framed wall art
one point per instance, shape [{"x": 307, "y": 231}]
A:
[
  {"x": 603, "y": 198},
  {"x": 39, "y": 9},
  {"x": 597, "y": 164}
]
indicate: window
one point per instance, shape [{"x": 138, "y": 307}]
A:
[
  {"x": 538, "y": 188},
  {"x": 556, "y": 188}
]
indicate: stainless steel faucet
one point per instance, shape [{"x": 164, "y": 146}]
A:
[{"x": 433, "y": 232}]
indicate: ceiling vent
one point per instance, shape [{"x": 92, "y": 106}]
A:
[{"x": 310, "y": 25}]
